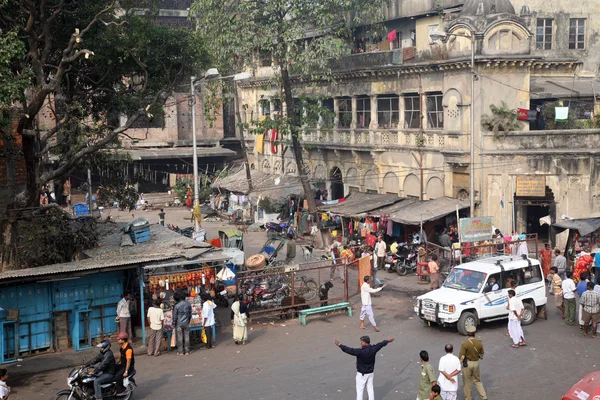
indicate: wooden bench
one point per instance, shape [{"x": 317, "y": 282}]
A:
[{"x": 310, "y": 311}]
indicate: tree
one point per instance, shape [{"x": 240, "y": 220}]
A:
[
  {"x": 241, "y": 31},
  {"x": 98, "y": 67},
  {"x": 503, "y": 119}
]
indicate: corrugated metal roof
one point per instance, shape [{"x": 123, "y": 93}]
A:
[
  {"x": 175, "y": 152},
  {"x": 427, "y": 210},
  {"x": 164, "y": 244},
  {"x": 263, "y": 185},
  {"x": 563, "y": 87},
  {"x": 359, "y": 203}
]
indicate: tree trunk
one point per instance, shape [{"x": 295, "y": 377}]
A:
[
  {"x": 8, "y": 257},
  {"x": 296, "y": 146}
]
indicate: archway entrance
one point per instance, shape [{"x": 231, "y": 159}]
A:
[
  {"x": 337, "y": 186},
  {"x": 529, "y": 210}
]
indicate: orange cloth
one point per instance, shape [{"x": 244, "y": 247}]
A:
[
  {"x": 546, "y": 255},
  {"x": 582, "y": 265}
]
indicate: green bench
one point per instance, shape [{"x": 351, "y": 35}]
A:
[{"x": 310, "y": 311}]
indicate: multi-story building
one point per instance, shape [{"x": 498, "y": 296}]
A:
[{"x": 403, "y": 109}]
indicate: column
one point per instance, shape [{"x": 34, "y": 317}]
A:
[
  {"x": 374, "y": 124},
  {"x": 336, "y": 112},
  {"x": 354, "y": 116},
  {"x": 400, "y": 112}
]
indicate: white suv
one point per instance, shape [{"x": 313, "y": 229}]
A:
[{"x": 478, "y": 291}]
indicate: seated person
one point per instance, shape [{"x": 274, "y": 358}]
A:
[{"x": 491, "y": 285}]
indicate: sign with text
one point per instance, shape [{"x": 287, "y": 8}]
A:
[
  {"x": 476, "y": 229},
  {"x": 531, "y": 186}
]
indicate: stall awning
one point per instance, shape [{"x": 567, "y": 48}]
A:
[
  {"x": 584, "y": 226},
  {"x": 276, "y": 188},
  {"x": 426, "y": 210},
  {"x": 394, "y": 208},
  {"x": 359, "y": 203}
]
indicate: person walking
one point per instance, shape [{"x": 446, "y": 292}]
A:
[
  {"x": 560, "y": 262},
  {"x": 427, "y": 377},
  {"x": 291, "y": 249},
  {"x": 472, "y": 351},
  {"x": 590, "y": 300},
  {"x": 381, "y": 253},
  {"x": 367, "y": 309},
  {"x": 516, "y": 311},
  {"x": 155, "y": 320},
  {"x": 581, "y": 288},
  {"x": 239, "y": 319},
  {"x": 546, "y": 258},
  {"x": 4, "y": 388},
  {"x": 569, "y": 289},
  {"x": 124, "y": 314},
  {"x": 161, "y": 217},
  {"x": 434, "y": 272},
  {"x": 208, "y": 319},
  {"x": 182, "y": 315},
  {"x": 449, "y": 368},
  {"x": 365, "y": 363},
  {"x": 557, "y": 290}
]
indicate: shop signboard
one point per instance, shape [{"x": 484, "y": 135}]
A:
[
  {"x": 531, "y": 186},
  {"x": 476, "y": 229}
]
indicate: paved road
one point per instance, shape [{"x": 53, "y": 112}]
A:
[{"x": 284, "y": 360}]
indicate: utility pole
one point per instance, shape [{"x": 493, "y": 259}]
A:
[{"x": 195, "y": 152}]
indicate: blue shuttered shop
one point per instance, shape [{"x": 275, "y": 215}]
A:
[{"x": 59, "y": 314}]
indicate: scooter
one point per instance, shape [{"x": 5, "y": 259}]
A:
[
  {"x": 391, "y": 262},
  {"x": 407, "y": 261}
]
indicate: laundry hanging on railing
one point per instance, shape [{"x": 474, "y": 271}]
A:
[{"x": 562, "y": 114}]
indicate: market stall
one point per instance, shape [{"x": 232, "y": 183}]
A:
[
  {"x": 210, "y": 274},
  {"x": 583, "y": 243}
]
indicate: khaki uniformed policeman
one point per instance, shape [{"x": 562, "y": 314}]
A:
[{"x": 472, "y": 349}]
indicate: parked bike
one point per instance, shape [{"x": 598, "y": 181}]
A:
[
  {"x": 306, "y": 288},
  {"x": 408, "y": 255},
  {"x": 81, "y": 386}
]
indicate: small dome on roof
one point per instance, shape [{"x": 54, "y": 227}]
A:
[{"x": 490, "y": 7}]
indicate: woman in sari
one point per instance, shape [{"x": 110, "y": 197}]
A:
[
  {"x": 239, "y": 318},
  {"x": 546, "y": 256},
  {"x": 188, "y": 197}
]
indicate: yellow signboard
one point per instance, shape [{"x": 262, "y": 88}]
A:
[{"x": 531, "y": 186}]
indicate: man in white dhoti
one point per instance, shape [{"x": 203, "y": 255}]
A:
[{"x": 516, "y": 311}]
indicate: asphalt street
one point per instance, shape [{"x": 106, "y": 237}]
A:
[{"x": 284, "y": 360}]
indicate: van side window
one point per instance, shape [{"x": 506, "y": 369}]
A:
[
  {"x": 532, "y": 274},
  {"x": 516, "y": 274},
  {"x": 494, "y": 283}
]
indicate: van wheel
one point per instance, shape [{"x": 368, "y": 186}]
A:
[
  {"x": 529, "y": 315},
  {"x": 466, "y": 319}
]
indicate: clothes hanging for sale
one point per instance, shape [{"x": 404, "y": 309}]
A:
[
  {"x": 392, "y": 36},
  {"x": 371, "y": 240},
  {"x": 390, "y": 228},
  {"x": 350, "y": 228},
  {"x": 562, "y": 114},
  {"x": 522, "y": 114}
]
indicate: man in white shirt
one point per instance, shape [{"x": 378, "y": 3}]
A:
[
  {"x": 569, "y": 289},
  {"x": 125, "y": 316},
  {"x": 208, "y": 319},
  {"x": 516, "y": 310},
  {"x": 155, "y": 320},
  {"x": 366, "y": 309},
  {"x": 523, "y": 249},
  {"x": 381, "y": 253},
  {"x": 449, "y": 368}
]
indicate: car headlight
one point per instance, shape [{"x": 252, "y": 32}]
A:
[{"x": 448, "y": 308}]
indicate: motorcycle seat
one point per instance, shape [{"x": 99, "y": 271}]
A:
[{"x": 274, "y": 288}]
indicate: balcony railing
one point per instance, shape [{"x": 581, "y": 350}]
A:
[{"x": 573, "y": 140}]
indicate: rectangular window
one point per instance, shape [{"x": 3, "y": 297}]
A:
[
  {"x": 435, "y": 111},
  {"x": 413, "y": 37},
  {"x": 363, "y": 112},
  {"x": 265, "y": 108},
  {"x": 327, "y": 113},
  {"x": 388, "y": 111},
  {"x": 398, "y": 41},
  {"x": 277, "y": 106},
  {"x": 412, "y": 111},
  {"x": 543, "y": 34},
  {"x": 344, "y": 112},
  {"x": 577, "y": 34}
]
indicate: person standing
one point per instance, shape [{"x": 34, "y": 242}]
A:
[
  {"x": 581, "y": 288},
  {"x": 596, "y": 276},
  {"x": 427, "y": 377},
  {"x": 434, "y": 273},
  {"x": 560, "y": 262},
  {"x": 161, "y": 217},
  {"x": 291, "y": 249},
  {"x": 155, "y": 320},
  {"x": 381, "y": 253},
  {"x": 445, "y": 240},
  {"x": 365, "y": 363},
  {"x": 557, "y": 290},
  {"x": 367, "y": 309},
  {"x": 4, "y": 388},
  {"x": 516, "y": 311},
  {"x": 569, "y": 289},
  {"x": 239, "y": 319},
  {"x": 546, "y": 257},
  {"x": 67, "y": 192},
  {"x": 208, "y": 319},
  {"x": 124, "y": 314},
  {"x": 449, "y": 368},
  {"x": 523, "y": 249},
  {"x": 182, "y": 315},
  {"x": 472, "y": 350},
  {"x": 590, "y": 300}
]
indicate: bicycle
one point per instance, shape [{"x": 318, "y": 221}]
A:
[{"x": 307, "y": 288}]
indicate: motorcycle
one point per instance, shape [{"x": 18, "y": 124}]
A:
[
  {"x": 391, "y": 262},
  {"x": 265, "y": 294},
  {"x": 279, "y": 229},
  {"x": 408, "y": 255},
  {"x": 81, "y": 386}
]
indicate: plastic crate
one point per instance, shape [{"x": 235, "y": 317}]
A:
[
  {"x": 140, "y": 235},
  {"x": 81, "y": 209}
]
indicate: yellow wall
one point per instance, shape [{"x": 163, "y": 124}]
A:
[{"x": 422, "y": 26}]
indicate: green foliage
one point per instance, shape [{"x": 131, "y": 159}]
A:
[
  {"x": 12, "y": 87},
  {"x": 268, "y": 206},
  {"x": 53, "y": 236},
  {"x": 549, "y": 115},
  {"x": 503, "y": 119}
]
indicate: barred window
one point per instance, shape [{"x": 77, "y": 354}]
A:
[
  {"x": 363, "y": 112},
  {"x": 435, "y": 111},
  {"x": 344, "y": 112},
  {"x": 577, "y": 34},
  {"x": 388, "y": 111},
  {"x": 543, "y": 34},
  {"x": 412, "y": 111}
]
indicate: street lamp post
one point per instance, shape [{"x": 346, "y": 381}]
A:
[
  {"x": 211, "y": 75},
  {"x": 471, "y": 37}
]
